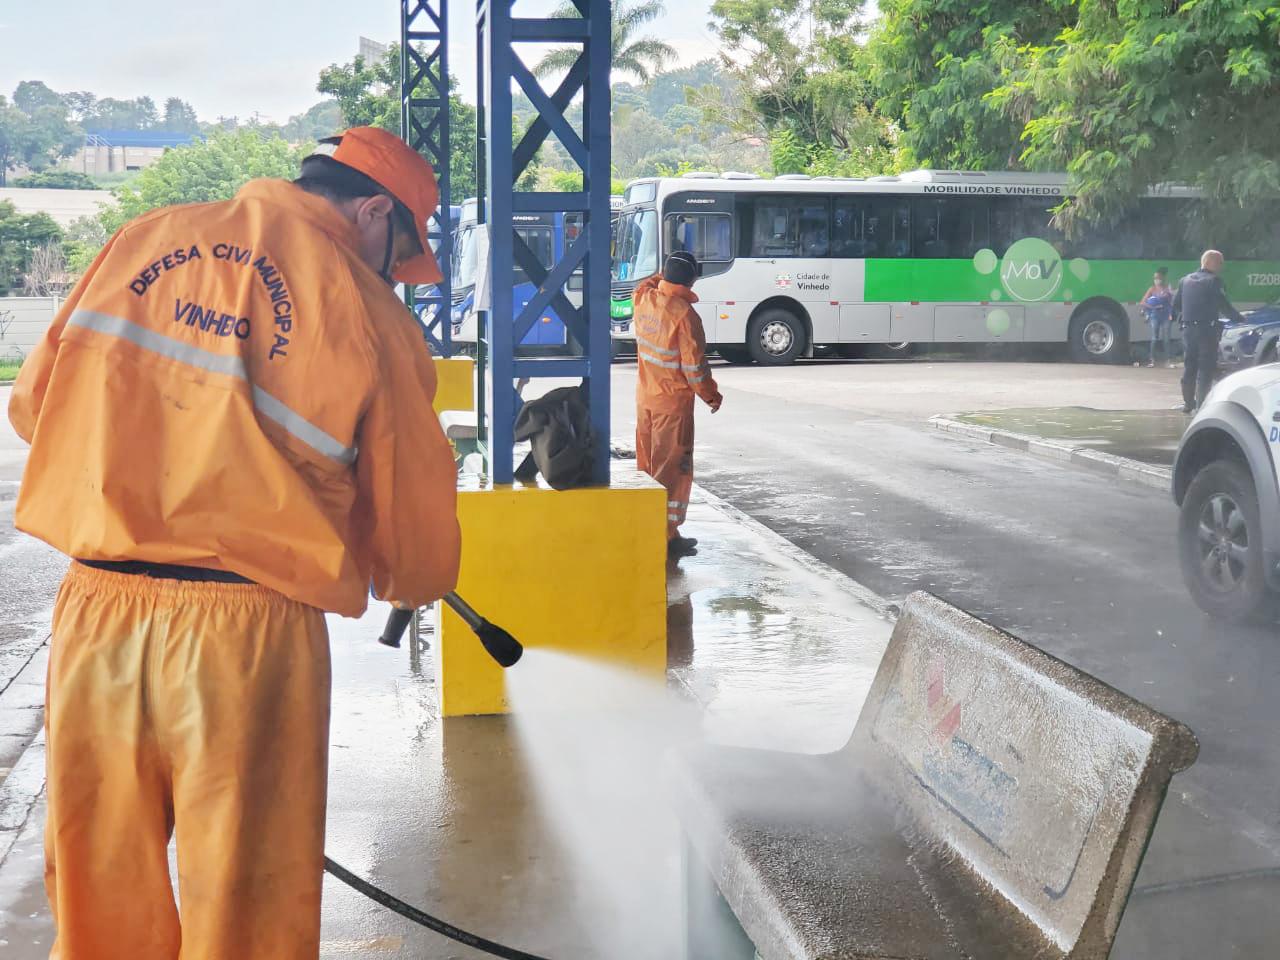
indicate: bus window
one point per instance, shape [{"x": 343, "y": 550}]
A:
[
  {"x": 708, "y": 236},
  {"x": 539, "y": 240},
  {"x": 573, "y": 230},
  {"x": 926, "y": 217},
  {"x": 962, "y": 231},
  {"x": 636, "y": 240},
  {"x": 790, "y": 227}
]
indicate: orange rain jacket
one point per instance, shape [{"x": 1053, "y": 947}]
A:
[
  {"x": 671, "y": 347},
  {"x": 231, "y": 387}
]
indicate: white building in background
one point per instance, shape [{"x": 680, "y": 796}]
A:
[
  {"x": 372, "y": 50},
  {"x": 63, "y": 205}
]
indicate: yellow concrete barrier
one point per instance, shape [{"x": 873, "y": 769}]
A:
[
  {"x": 455, "y": 384},
  {"x": 583, "y": 571}
]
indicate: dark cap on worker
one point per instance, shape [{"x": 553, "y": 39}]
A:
[
  {"x": 682, "y": 268},
  {"x": 403, "y": 174}
]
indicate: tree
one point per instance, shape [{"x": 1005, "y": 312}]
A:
[
  {"x": 638, "y": 135},
  {"x": 82, "y": 240},
  {"x": 36, "y": 135},
  {"x": 211, "y": 170},
  {"x": 32, "y": 95},
  {"x": 320, "y": 121},
  {"x": 20, "y": 236},
  {"x": 179, "y": 117},
  {"x": 1135, "y": 94},
  {"x": 369, "y": 95},
  {"x": 110, "y": 113},
  {"x": 935, "y": 62},
  {"x": 805, "y": 83},
  {"x": 46, "y": 274},
  {"x": 641, "y": 57}
]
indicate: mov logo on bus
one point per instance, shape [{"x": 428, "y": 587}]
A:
[{"x": 1030, "y": 271}]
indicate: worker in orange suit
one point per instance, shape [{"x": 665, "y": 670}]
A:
[
  {"x": 671, "y": 349},
  {"x": 231, "y": 432}
]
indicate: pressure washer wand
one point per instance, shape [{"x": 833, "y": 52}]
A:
[{"x": 502, "y": 646}]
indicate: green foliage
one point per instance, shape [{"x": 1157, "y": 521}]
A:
[
  {"x": 1138, "y": 93},
  {"x": 57, "y": 180},
  {"x": 9, "y": 367},
  {"x": 203, "y": 171},
  {"x": 35, "y": 130},
  {"x": 641, "y": 57},
  {"x": 934, "y": 62},
  {"x": 322, "y": 120},
  {"x": 20, "y": 236},
  {"x": 368, "y": 95},
  {"x": 805, "y": 84},
  {"x": 82, "y": 240}
]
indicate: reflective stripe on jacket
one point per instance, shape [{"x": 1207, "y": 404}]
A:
[
  {"x": 671, "y": 348},
  {"x": 230, "y": 386}
]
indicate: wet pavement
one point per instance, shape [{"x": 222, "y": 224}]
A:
[
  {"x": 776, "y": 650},
  {"x": 840, "y": 460},
  {"x": 1150, "y": 436},
  {"x": 779, "y": 650}
]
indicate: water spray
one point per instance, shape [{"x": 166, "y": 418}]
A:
[{"x": 506, "y": 650}]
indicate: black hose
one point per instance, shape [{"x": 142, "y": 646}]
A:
[{"x": 424, "y": 919}]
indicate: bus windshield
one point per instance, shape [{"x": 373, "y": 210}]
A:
[
  {"x": 636, "y": 252},
  {"x": 464, "y": 258}
]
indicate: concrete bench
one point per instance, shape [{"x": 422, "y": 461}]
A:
[{"x": 992, "y": 803}]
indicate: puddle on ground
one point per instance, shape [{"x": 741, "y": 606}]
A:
[{"x": 1150, "y": 436}]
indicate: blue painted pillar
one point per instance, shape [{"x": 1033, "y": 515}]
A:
[
  {"x": 424, "y": 125},
  {"x": 506, "y": 157}
]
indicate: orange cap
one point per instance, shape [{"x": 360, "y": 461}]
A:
[{"x": 403, "y": 173}]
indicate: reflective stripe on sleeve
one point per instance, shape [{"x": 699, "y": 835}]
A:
[{"x": 270, "y": 407}]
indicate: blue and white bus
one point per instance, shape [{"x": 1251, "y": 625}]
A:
[{"x": 547, "y": 234}]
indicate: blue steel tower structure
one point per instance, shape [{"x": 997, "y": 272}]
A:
[
  {"x": 424, "y": 125},
  {"x": 503, "y": 159}
]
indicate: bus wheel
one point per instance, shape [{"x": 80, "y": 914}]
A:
[
  {"x": 1098, "y": 335},
  {"x": 738, "y": 356},
  {"x": 775, "y": 337}
]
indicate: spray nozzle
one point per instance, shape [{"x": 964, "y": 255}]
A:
[{"x": 498, "y": 643}]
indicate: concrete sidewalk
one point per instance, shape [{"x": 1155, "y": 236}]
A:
[{"x": 775, "y": 649}]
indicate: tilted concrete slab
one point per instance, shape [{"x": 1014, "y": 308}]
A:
[{"x": 992, "y": 802}]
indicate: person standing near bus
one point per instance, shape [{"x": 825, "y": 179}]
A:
[
  {"x": 1157, "y": 306},
  {"x": 671, "y": 350},
  {"x": 1199, "y": 303},
  {"x": 231, "y": 432}
]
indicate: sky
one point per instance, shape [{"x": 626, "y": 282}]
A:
[{"x": 238, "y": 57}]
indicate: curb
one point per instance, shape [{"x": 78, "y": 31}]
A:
[
  {"x": 884, "y": 608},
  {"x": 1106, "y": 464}
]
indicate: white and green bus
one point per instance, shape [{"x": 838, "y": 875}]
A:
[{"x": 796, "y": 264}]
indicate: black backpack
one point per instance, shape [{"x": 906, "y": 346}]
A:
[{"x": 558, "y": 427}]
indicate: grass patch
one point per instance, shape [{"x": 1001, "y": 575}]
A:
[{"x": 9, "y": 369}]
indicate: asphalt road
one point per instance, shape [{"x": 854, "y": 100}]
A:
[{"x": 837, "y": 458}]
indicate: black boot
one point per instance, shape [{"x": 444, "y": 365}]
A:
[{"x": 679, "y": 546}]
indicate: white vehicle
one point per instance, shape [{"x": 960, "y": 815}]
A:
[
  {"x": 795, "y": 264},
  {"x": 1224, "y": 481}
]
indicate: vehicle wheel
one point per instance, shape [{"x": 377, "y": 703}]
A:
[
  {"x": 1098, "y": 335},
  {"x": 1267, "y": 354},
  {"x": 739, "y": 356},
  {"x": 775, "y": 337},
  {"x": 1220, "y": 544}
]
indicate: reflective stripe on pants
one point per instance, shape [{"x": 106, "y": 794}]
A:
[
  {"x": 199, "y": 709},
  {"x": 664, "y": 450}
]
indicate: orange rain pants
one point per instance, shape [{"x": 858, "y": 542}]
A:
[
  {"x": 195, "y": 708},
  {"x": 664, "y": 450}
]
